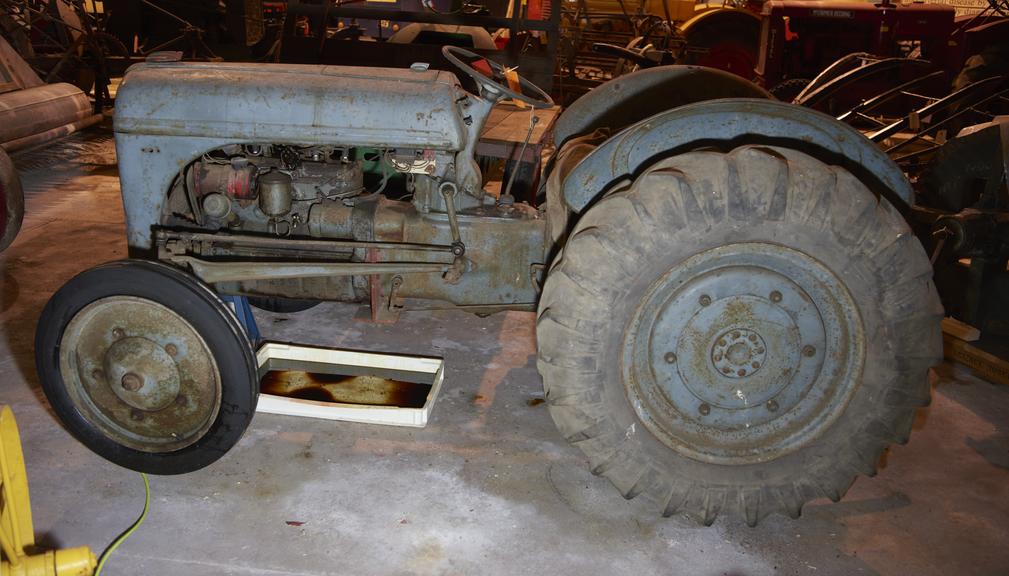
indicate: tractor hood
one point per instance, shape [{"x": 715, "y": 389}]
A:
[{"x": 287, "y": 103}]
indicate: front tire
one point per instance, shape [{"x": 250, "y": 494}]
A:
[
  {"x": 146, "y": 366},
  {"x": 738, "y": 333}
]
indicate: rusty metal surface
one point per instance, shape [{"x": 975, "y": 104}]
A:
[
  {"x": 298, "y": 244},
  {"x": 140, "y": 373},
  {"x": 214, "y": 272},
  {"x": 35, "y": 115},
  {"x": 397, "y": 237},
  {"x": 732, "y": 121},
  {"x": 292, "y": 103},
  {"x": 32, "y": 112},
  {"x": 170, "y": 114},
  {"x": 743, "y": 353},
  {"x": 633, "y": 97},
  {"x": 503, "y": 246}
]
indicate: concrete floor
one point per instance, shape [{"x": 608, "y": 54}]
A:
[{"x": 489, "y": 487}]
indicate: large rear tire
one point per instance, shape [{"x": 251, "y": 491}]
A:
[
  {"x": 738, "y": 333},
  {"x": 146, "y": 366}
]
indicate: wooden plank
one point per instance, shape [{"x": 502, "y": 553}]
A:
[
  {"x": 508, "y": 123},
  {"x": 985, "y": 365},
  {"x": 960, "y": 330},
  {"x": 496, "y": 116}
]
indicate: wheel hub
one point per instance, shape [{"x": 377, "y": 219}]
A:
[
  {"x": 725, "y": 358},
  {"x": 140, "y": 373},
  {"x": 738, "y": 353}
]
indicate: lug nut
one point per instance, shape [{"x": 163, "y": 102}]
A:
[
  {"x": 742, "y": 372},
  {"x": 721, "y": 342},
  {"x": 97, "y": 374},
  {"x": 718, "y": 356},
  {"x": 180, "y": 400},
  {"x": 726, "y": 370},
  {"x": 735, "y": 335},
  {"x": 136, "y": 415},
  {"x": 118, "y": 332},
  {"x": 704, "y": 409},
  {"x": 131, "y": 382},
  {"x": 669, "y": 358},
  {"x": 772, "y": 405},
  {"x": 752, "y": 337},
  {"x": 775, "y": 296},
  {"x": 172, "y": 349},
  {"x": 760, "y": 350},
  {"x": 808, "y": 351},
  {"x": 705, "y": 300},
  {"x": 755, "y": 365}
]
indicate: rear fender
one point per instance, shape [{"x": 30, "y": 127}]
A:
[
  {"x": 726, "y": 124},
  {"x": 720, "y": 17},
  {"x": 633, "y": 97}
]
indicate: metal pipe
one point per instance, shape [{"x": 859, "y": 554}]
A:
[
  {"x": 448, "y": 190},
  {"x": 955, "y": 97},
  {"x": 214, "y": 272},
  {"x": 297, "y": 244}
]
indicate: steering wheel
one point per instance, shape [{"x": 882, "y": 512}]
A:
[{"x": 496, "y": 83}]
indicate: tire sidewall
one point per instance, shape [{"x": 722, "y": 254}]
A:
[
  {"x": 197, "y": 305},
  {"x": 867, "y": 259}
]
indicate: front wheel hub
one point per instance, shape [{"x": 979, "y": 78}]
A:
[
  {"x": 768, "y": 348},
  {"x": 738, "y": 353},
  {"x": 140, "y": 373}
]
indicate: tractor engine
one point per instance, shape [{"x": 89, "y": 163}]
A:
[
  {"x": 265, "y": 188},
  {"x": 281, "y": 196}
]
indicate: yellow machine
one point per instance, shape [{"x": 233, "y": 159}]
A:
[{"x": 17, "y": 537}]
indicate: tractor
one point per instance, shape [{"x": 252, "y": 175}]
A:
[
  {"x": 733, "y": 316},
  {"x": 799, "y": 39}
]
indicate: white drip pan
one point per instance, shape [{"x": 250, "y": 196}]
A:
[{"x": 334, "y": 384}]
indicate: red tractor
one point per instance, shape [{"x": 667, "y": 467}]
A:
[{"x": 800, "y": 38}]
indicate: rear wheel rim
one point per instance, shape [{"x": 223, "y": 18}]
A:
[
  {"x": 140, "y": 373},
  {"x": 743, "y": 353}
]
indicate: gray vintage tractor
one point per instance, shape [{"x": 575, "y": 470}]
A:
[{"x": 733, "y": 316}]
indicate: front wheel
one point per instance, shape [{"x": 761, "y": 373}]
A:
[
  {"x": 146, "y": 366},
  {"x": 738, "y": 333}
]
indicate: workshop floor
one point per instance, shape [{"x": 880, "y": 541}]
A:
[{"x": 489, "y": 487}]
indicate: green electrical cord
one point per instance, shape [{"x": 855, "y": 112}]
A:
[{"x": 129, "y": 531}]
